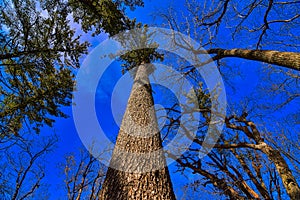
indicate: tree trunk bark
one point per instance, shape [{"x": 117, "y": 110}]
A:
[
  {"x": 288, "y": 180},
  {"x": 138, "y": 167},
  {"x": 285, "y": 59}
]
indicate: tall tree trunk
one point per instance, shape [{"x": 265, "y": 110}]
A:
[
  {"x": 285, "y": 59},
  {"x": 138, "y": 167}
]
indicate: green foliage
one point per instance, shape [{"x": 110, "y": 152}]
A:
[
  {"x": 37, "y": 54},
  {"x": 144, "y": 49},
  {"x": 109, "y": 16},
  {"x": 39, "y": 49},
  {"x": 199, "y": 97},
  {"x": 103, "y": 15},
  {"x": 129, "y": 3}
]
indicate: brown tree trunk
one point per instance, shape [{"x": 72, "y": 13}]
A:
[
  {"x": 288, "y": 180},
  {"x": 138, "y": 168},
  {"x": 285, "y": 59}
]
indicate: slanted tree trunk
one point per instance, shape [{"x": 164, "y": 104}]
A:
[
  {"x": 285, "y": 59},
  {"x": 285, "y": 173},
  {"x": 288, "y": 180},
  {"x": 138, "y": 168}
]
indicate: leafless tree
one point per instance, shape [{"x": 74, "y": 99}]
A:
[
  {"x": 84, "y": 176},
  {"x": 250, "y": 159},
  {"x": 23, "y": 167}
]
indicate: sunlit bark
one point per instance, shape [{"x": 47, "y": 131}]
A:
[
  {"x": 137, "y": 168},
  {"x": 285, "y": 59}
]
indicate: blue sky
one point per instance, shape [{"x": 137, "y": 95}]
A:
[
  {"x": 245, "y": 85},
  {"x": 69, "y": 140},
  {"x": 68, "y": 137}
]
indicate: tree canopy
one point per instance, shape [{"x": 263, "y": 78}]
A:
[
  {"x": 40, "y": 52},
  {"x": 256, "y": 154}
]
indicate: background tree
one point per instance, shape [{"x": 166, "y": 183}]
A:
[
  {"x": 84, "y": 176},
  {"x": 237, "y": 167},
  {"x": 23, "y": 168},
  {"x": 39, "y": 54},
  {"x": 38, "y": 51}
]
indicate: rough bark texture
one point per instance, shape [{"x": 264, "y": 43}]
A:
[
  {"x": 138, "y": 167},
  {"x": 288, "y": 180},
  {"x": 286, "y": 59}
]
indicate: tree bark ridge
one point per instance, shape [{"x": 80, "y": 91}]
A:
[{"x": 138, "y": 168}]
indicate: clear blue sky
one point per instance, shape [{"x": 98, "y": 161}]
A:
[
  {"x": 65, "y": 129},
  {"x": 68, "y": 138}
]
